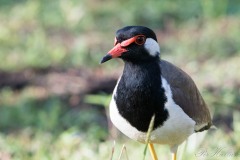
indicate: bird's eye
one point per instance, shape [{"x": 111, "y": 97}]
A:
[{"x": 140, "y": 40}]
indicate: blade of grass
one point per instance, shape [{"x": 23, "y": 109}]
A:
[
  {"x": 150, "y": 128},
  {"x": 113, "y": 149},
  {"x": 123, "y": 149}
]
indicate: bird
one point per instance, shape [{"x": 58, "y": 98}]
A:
[{"x": 150, "y": 86}]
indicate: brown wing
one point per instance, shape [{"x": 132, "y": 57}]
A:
[{"x": 186, "y": 95}]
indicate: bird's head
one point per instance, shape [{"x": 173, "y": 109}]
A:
[{"x": 134, "y": 44}]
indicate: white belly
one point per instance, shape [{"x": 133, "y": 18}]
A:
[{"x": 174, "y": 130}]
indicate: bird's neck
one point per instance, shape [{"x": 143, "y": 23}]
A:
[
  {"x": 144, "y": 75},
  {"x": 142, "y": 69},
  {"x": 140, "y": 94}
]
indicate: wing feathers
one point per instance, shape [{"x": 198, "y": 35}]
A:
[{"x": 186, "y": 95}]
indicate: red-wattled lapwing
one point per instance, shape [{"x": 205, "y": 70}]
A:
[{"x": 151, "y": 86}]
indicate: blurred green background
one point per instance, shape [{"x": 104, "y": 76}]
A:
[{"x": 54, "y": 94}]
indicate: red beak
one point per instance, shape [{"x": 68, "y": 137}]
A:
[
  {"x": 118, "y": 49},
  {"x": 115, "y": 52}
]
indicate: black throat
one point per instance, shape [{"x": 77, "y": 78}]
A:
[{"x": 140, "y": 95}]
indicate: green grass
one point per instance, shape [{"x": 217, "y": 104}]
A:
[
  {"x": 201, "y": 37},
  {"x": 69, "y": 145},
  {"x": 63, "y": 33}
]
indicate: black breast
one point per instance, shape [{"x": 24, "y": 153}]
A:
[{"x": 140, "y": 95}]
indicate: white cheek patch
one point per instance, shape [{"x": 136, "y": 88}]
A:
[{"x": 152, "y": 47}]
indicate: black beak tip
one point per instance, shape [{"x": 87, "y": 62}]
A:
[{"x": 106, "y": 58}]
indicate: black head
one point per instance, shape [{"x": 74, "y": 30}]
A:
[{"x": 135, "y": 44}]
